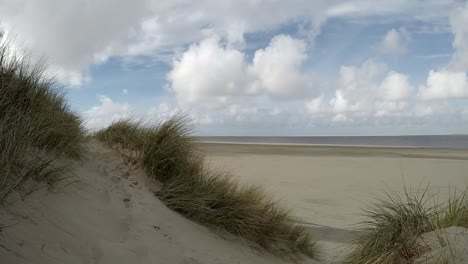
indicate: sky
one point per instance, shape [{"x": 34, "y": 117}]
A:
[{"x": 255, "y": 67}]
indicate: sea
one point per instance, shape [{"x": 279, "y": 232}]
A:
[{"x": 423, "y": 141}]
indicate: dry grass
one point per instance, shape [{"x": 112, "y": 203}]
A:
[
  {"x": 396, "y": 224},
  {"x": 205, "y": 194},
  {"x": 36, "y": 127}
]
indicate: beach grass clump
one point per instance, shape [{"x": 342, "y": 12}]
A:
[
  {"x": 124, "y": 133},
  {"x": 455, "y": 211},
  {"x": 396, "y": 223},
  {"x": 37, "y": 126},
  {"x": 206, "y": 194},
  {"x": 216, "y": 199},
  {"x": 169, "y": 151}
]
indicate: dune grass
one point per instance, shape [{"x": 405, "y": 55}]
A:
[
  {"x": 455, "y": 211},
  {"x": 36, "y": 127},
  {"x": 125, "y": 133},
  {"x": 396, "y": 224},
  {"x": 205, "y": 194}
]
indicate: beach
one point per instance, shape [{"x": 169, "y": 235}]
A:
[
  {"x": 109, "y": 213},
  {"x": 328, "y": 186}
]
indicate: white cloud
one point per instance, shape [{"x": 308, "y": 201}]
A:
[
  {"x": 423, "y": 110},
  {"x": 161, "y": 112},
  {"x": 357, "y": 87},
  {"x": 109, "y": 28},
  {"x": 208, "y": 73},
  {"x": 395, "y": 42},
  {"x": 211, "y": 73},
  {"x": 339, "y": 118},
  {"x": 216, "y": 71},
  {"x": 277, "y": 68},
  {"x": 395, "y": 87},
  {"x": 70, "y": 42},
  {"x": 458, "y": 22},
  {"x": 390, "y": 108},
  {"x": 444, "y": 85},
  {"x": 102, "y": 115},
  {"x": 125, "y": 91},
  {"x": 361, "y": 91},
  {"x": 451, "y": 82},
  {"x": 317, "y": 105}
]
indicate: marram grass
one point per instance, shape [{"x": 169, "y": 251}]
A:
[
  {"x": 36, "y": 127},
  {"x": 206, "y": 194},
  {"x": 397, "y": 222}
]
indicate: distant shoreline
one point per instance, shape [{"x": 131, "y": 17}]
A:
[
  {"x": 330, "y": 145},
  {"x": 412, "y": 142}
]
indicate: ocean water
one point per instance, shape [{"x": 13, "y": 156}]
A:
[{"x": 438, "y": 141}]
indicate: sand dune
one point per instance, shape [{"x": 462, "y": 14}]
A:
[{"x": 111, "y": 216}]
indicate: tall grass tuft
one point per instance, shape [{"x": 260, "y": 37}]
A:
[
  {"x": 455, "y": 211},
  {"x": 125, "y": 133},
  {"x": 36, "y": 126},
  {"x": 396, "y": 224},
  {"x": 205, "y": 194}
]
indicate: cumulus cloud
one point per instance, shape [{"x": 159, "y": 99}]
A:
[
  {"x": 444, "y": 85},
  {"x": 73, "y": 35},
  {"x": 277, "y": 68},
  {"x": 317, "y": 105},
  {"x": 217, "y": 70},
  {"x": 395, "y": 87},
  {"x": 356, "y": 86},
  {"x": 210, "y": 72},
  {"x": 102, "y": 115},
  {"x": 368, "y": 90},
  {"x": 395, "y": 42},
  {"x": 390, "y": 108},
  {"x": 458, "y": 22},
  {"x": 451, "y": 81}
]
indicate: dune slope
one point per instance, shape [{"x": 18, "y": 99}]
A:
[{"x": 111, "y": 216}]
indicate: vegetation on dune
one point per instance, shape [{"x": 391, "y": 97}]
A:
[
  {"x": 455, "y": 212},
  {"x": 396, "y": 224},
  {"x": 205, "y": 194},
  {"x": 125, "y": 133},
  {"x": 36, "y": 127}
]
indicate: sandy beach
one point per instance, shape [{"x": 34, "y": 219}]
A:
[
  {"x": 327, "y": 186},
  {"x": 109, "y": 214}
]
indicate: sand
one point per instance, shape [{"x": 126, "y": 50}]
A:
[
  {"x": 327, "y": 186},
  {"x": 448, "y": 245},
  {"x": 111, "y": 217}
]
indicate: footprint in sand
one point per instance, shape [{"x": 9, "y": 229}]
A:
[{"x": 127, "y": 200}]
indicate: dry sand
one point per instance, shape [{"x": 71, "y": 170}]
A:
[
  {"x": 327, "y": 186},
  {"x": 111, "y": 217}
]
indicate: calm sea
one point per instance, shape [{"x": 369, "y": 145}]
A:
[{"x": 441, "y": 141}]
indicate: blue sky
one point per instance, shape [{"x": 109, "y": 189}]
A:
[{"x": 257, "y": 67}]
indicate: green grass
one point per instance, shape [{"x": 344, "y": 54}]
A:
[
  {"x": 36, "y": 127},
  {"x": 455, "y": 211},
  {"x": 206, "y": 194},
  {"x": 125, "y": 133},
  {"x": 396, "y": 223}
]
